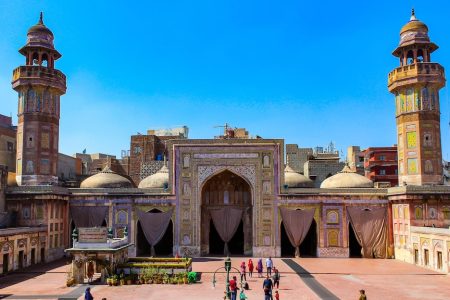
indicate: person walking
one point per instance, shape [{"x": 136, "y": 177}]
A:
[
  {"x": 276, "y": 278},
  {"x": 267, "y": 287},
  {"x": 260, "y": 268},
  {"x": 250, "y": 267},
  {"x": 269, "y": 265},
  {"x": 243, "y": 272},
  {"x": 233, "y": 288},
  {"x": 87, "y": 294}
]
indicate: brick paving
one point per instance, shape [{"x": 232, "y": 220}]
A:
[{"x": 382, "y": 279}]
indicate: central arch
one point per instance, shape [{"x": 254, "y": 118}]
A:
[{"x": 226, "y": 189}]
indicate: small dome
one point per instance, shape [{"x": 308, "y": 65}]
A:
[
  {"x": 40, "y": 36},
  {"x": 346, "y": 179},
  {"x": 296, "y": 180},
  {"x": 106, "y": 179},
  {"x": 158, "y": 180},
  {"x": 414, "y": 25}
]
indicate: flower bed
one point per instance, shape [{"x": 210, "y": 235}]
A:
[{"x": 158, "y": 263}]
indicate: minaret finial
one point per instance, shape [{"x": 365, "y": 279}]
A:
[
  {"x": 413, "y": 15},
  {"x": 41, "y": 17}
]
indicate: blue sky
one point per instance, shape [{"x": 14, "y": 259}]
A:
[{"x": 306, "y": 71}]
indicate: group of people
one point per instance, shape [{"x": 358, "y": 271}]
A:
[{"x": 271, "y": 281}]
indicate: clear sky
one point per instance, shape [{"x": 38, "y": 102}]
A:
[{"x": 306, "y": 71}]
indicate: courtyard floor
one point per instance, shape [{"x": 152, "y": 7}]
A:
[{"x": 303, "y": 278}]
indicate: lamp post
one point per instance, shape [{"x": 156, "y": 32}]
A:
[{"x": 228, "y": 268}]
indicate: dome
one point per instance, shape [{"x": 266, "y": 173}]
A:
[
  {"x": 158, "y": 180},
  {"x": 414, "y": 25},
  {"x": 106, "y": 179},
  {"x": 40, "y": 36},
  {"x": 296, "y": 180},
  {"x": 346, "y": 179}
]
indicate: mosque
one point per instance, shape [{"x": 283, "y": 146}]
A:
[{"x": 232, "y": 196}]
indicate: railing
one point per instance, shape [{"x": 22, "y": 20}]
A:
[
  {"x": 28, "y": 72},
  {"x": 416, "y": 69}
]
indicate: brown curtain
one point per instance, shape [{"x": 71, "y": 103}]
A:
[
  {"x": 88, "y": 216},
  {"x": 154, "y": 225},
  {"x": 297, "y": 224},
  {"x": 226, "y": 221},
  {"x": 370, "y": 227}
]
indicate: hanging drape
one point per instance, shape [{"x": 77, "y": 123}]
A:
[
  {"x": 297, "y": 224},
  {"x": 226, "y": 221},
  {"x": 154, "y": 226},
  {"x": 370, "y": 226},
  {"x": 88, "y": 216}
]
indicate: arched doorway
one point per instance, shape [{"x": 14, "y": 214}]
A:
[
  {"x": 287, "y": 250},
  {"x": 226, "y": 189},
  {"x": 308, "y": 248},
  {"x": 353, "y": 244},
  {"x": 163, "y": 248}
]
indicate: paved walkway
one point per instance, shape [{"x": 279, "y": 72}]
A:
[{"x": 300, "y": 279}]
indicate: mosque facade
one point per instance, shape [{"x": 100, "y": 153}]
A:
[{"x": 233, "y": 196}]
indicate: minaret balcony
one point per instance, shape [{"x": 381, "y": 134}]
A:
[
  {"x": 416, "y": 73},
  {"x": 38, "y": 75}
]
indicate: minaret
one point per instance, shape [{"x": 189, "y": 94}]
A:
[
  {"x": 39, "y": 86},
  {"x": 416, "y": 84}
]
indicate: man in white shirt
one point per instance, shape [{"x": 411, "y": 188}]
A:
[{"x": 269, "y": 265}]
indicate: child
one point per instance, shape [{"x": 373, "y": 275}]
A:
[
  {"x": 277, "y": 296},
  {"x": 242, "y": 296}
]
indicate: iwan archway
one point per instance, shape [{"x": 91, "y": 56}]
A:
[{"x": 226, "y": 215}]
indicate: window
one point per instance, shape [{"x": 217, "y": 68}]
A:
[
  {"x": 446, "y": 213},
  {"x": 426, "y": 257},
  {"x": 56, "y": 240},
  {"x": 137, "y": 150},
  {"x": 26, "y": 212},
  {"x": 382, "y": 172},
  {"x": 416, "y": 256},
  {"x": 51, "y": 227},
  {"x": 439, "y": 260},
  {"x": 61, "y": 240},
  {"x": 10, "y": 146},
  {"x": 382, "y": 157}
]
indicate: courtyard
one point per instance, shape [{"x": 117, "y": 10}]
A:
[{"x": 301, "y": 278}]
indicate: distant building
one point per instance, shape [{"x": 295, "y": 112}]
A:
[
  {"x": 296, "y": 157},
  {"x": 321, "y": 166},
  {"x": 380, "y": 165},
  {"x": 316, "y": 164},
  {"x": 7, "y": 143},
  {"x": 355, "y": 159},
  {"x": 147, "y": 151}
]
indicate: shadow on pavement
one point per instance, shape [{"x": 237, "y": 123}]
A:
[{"x": 28, "y": 273}]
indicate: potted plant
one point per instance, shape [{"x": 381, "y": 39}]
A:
[
  {"x": 114, "y": 280},
  {"x": 166, "y": 278},
  {"x": 129, "y": 280},
  {"x": 109, "y": 281}
]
